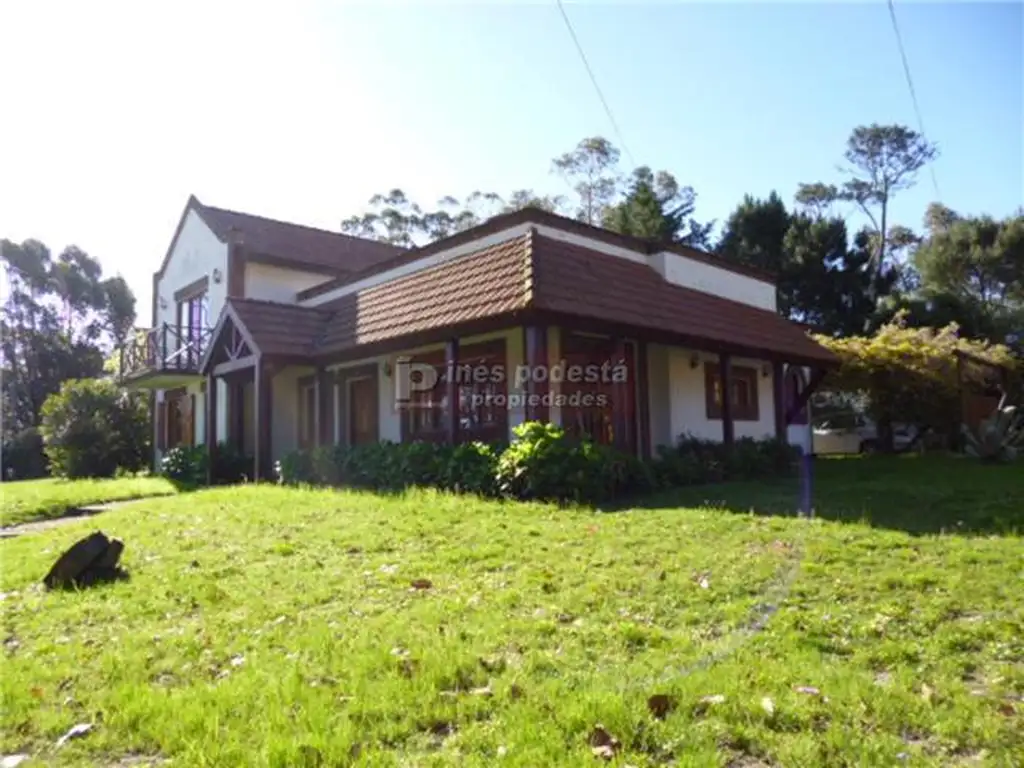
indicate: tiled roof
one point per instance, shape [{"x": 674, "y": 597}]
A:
[
  {"x": 280, "y": 329},
  {"x": 321, "y": 249},
  {"x": 486, "y": 283},
  {"x": 524, "y": 272},
  {"x": 578, "y": 281}
]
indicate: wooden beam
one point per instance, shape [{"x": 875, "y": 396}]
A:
[
  {"x": 451, "y": 359},
  {"x": 324, "y": 407},
  {"x": 211, "y": 427},
  {"x": 233, "y": 366},
  {"x": 535, "y": 353},
  {"x": 779, "y": 399},
  {"x": 263, "y": 402},
  {"x": 643, "y": 393},
  {"x": 725, "y": 380},
  {"x": 817, "y": 375}
]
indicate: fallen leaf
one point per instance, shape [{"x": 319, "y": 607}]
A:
[
  {"x": 605, "y": 752},
  {"x": 237, "y": 660},
  {"x": 660, "y": 704},
  {"x": 810, "y": 690},
  {"x": 37, "y": 692},
  {"x": 715, "y": 699},
  {"x": 768, "y": 705},
  {"x": 483, "y": 691},
  {"x": 926, "y": 692},
  {"x": 1006, "y": 708},
  {"x": 421, "y": 583},
  {"x": 75, "y": 732},
  {"x": 565, "y": 618}
]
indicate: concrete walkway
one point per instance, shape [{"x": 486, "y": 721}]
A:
[{"x": 69, "y": 517}]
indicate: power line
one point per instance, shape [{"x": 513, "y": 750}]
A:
[
  {"x": 913, "y": 93},
  {"x": 593, "y": 79}
]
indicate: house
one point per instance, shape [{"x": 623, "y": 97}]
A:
[{"x": 274, "y": 336}]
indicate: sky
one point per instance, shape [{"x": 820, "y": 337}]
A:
[{"x": 113, "y": 113}]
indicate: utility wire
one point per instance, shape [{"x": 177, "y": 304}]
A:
[
  {"x": 913, "y": 93},
  {"x": 593, "y": 79}
]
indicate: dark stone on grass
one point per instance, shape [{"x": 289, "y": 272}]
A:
[{"x": 89, "y": 561}]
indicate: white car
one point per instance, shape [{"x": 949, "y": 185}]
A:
[{"x": 863, "y": 438}]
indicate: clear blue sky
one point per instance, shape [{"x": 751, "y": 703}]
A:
[{"x": 304, "y": 110}]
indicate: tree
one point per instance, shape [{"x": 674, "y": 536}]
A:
[
  {"x": 394, "y": 218},
  {"x": 656, "y": 208},
  {"x": 90, "y": 428},
  {"x": 592, "y": 171},
  {"x": 57, "y": 320},
  {"x": 821, "y": 280},
  {"x": 883, "y": 160},
  {"x": 974, "y": 267}
]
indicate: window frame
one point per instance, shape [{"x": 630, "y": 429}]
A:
[
  {"x": 740, "y": 375},
  {"x": 426, "y": 416}
]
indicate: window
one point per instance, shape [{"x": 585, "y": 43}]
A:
[
  {"x": 482, "y": 387},
  {"x": 307, "y": 414},
  {"x": 193, "y": 319},
  {"x": 744, "y": 392}
]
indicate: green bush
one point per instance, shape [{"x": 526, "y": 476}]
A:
[
  {"x": 187, "y": 466},
  {"x": 90, "y": 428},
  {"x": 23, "y": 456},
  {"x": 388, "y": 466},
  {"x": 542, "y": 463}
]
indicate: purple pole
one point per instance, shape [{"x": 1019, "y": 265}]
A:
[{"x": 806, "y": 483}]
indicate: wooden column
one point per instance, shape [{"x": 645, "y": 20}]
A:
[
  {"x": 725, "y": 377},
  {"x": 535, "y": 352},
  {"x": 779, "y": 399},
  {"x": 324, "y": 408},
  {"x": 211, "y": 426},
  {"x": 263, "y": 402},
  {"x": 451, "y": 359},
  {"x": 643, "y": 394},
  {"x": 236, "y": 416}
]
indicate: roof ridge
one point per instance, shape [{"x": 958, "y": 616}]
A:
[
  {"x": 270, "y": 302},
  {"x": 529, "y": 267},
  {"x": 310, "y": 227}
]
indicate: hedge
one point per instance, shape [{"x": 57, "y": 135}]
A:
[{"x": 542, "y": 463}]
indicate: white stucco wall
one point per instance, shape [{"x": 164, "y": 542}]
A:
[
  {"x": 688, "y": 411},
  {"x": 284, "y": 425},
  {"x": 270, "y": 283},
  {"x": 195, "y": 254},
  {"x": 660, "y": 394},
  {"x": 708, "y": 278}
]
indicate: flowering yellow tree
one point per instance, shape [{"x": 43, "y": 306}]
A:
[{"x": 916, "y": 376}]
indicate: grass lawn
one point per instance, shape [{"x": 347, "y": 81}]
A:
[
  {"x": 269, "y": 626},
  {"x": 26, "y": 500}
]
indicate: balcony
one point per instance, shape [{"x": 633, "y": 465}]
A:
[{"x": 163, "y": 357}]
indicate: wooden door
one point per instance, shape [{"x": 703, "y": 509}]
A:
[{"x": 362, "y": 411}]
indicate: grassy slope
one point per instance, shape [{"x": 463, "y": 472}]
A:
[
  {"x": 265, "y": 626},
  {"x": 27, "y": 500}
]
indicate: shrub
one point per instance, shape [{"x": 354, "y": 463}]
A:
[
  {"x": 90, "y": 428},
  {"x": 187, "y": 465},
  {"x": 23, "y": 456},
  {"x": 543, "y": 462},
  {"x": 472, "y": 468},
  {"x": 1000, "y": 437}
]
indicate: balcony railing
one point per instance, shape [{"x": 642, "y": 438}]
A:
[{"x": 164, "y": 349}]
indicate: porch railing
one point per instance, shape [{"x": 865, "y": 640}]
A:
[{"x": 166, "y": 348}]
